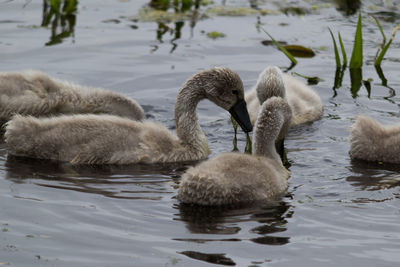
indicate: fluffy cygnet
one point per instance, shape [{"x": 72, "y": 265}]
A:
[
  {"x": 305, "y": 103},
  {"x": 371, "y": 141},
  {"x": 235, "y": 178},
  {"x": 106, "y": 139},
  {"x": 35, "y": 93}
]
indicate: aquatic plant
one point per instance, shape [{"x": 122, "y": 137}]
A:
[
  {"x": 385, "y": 46},
  {"x": 249, "y": 145},
  {"x": 356, "y": 60},
  {"x": 299, "y": 51},
  {"x": 310, "y": 79},
  {"x": 280, "y": 47},
  {"x": 215, "y": 35},
  {"x": 337, "y": 57},
  {"x": 343, "y": 51},
  {"x": 61, "y": 15},
  {"x": 231, "y": 11}
]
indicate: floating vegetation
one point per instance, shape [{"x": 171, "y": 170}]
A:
[
  {"x": 299, "y": 51},
  {"x": 310, "y": 79},
  {"x": 270, "y": 42},
  {"x": 264, "y": 12},
  {"x": 320, "y": 6},
  {"x": 148, "y": 14},
  {"x": 231, "y": 11},
  {"x": 214, "y": 35},
  {"x": 178, "y": 4},
  {"x": 295, "y": 10},
  {"x": 168, "y": 11}
]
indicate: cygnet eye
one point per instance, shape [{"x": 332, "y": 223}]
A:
[{"x": 235, "y": 92}]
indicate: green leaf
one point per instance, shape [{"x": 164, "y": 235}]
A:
[
  {"x": 214, "y": 35},
  {"x": 337, "y": 57},
  {"x": 287, "y": 53},
  {"x": 379, "y": 58},
  {"x": 356, "y": 60},
  {"x": 55, "y": 4},
  {"x": 380, "y": 28},
  {"x": 343, "y": 51},
  {"x": 310, "y": 79},
  {"x": 299, "y": 51}
]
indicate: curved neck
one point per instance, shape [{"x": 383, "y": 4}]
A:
[
  {"x": 267, "y": 130},
  {"x": 188, "y": 129}
]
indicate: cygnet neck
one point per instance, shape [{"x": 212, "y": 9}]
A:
[
  {"x": 187, "y": 127},
  {"x": 274, "y": 117},
  {"x": 270, "y": 83}
]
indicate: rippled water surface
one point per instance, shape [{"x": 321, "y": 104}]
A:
[{"x": 337, "y": 212}]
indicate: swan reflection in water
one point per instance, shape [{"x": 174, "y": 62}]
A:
[
  {"x": 226, "y": 220},
  {"x": 137, "y": 181},
  {"x": 373, "y": 176}
]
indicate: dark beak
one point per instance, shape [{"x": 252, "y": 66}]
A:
[{"x": 240, "y": 114}]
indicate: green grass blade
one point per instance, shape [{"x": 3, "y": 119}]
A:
[
  {"x": 343, "y": 51},
  {"x": 386, "y": 47},
  {"x": 337, "y": 57},
  {"x": 356, "y": 60},
  {"x": 380, "y": 28},
  {"x": 287, "y": 53}
]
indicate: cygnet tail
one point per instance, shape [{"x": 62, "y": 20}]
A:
[{"x": 17, "y": 132}]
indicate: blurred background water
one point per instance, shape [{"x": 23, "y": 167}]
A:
[{"x": 337, "y": 212}]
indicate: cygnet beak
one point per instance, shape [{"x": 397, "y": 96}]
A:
[{"x": 241, "y": 115}]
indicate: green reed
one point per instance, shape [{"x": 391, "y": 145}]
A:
[
  {"x": 356, "y": 60},
  {"x": 280, "y": 47}
]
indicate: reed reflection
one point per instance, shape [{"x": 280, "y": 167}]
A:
[
  {"x": 139, "y": 181},
  {"x": 183, "y": 11},
  {"x": 60, "y": 16}
]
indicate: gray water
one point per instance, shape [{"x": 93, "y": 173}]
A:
[{"x": 337, "y": 212}]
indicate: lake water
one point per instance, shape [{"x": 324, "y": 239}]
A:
[{"x": 337, "y": 212}]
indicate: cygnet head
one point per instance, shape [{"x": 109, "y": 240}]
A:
[
  {"x": 225, "y": 88},
  {"x": 270, "y": 83}
]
